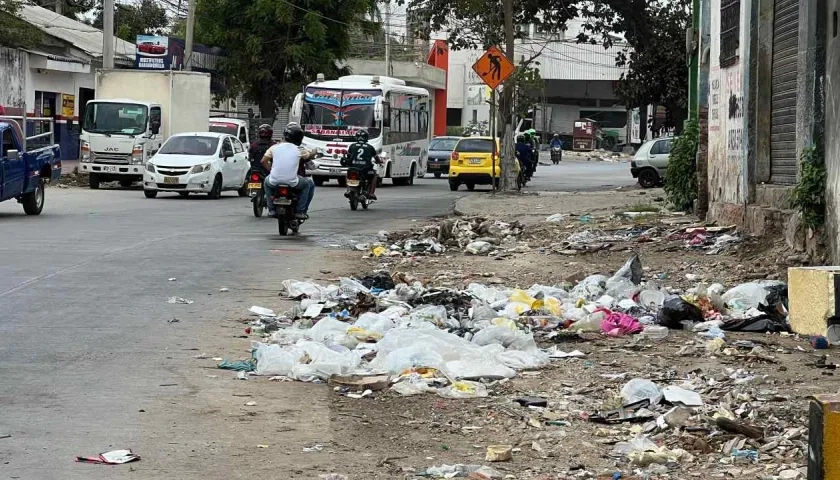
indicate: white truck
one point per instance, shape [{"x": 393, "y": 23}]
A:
[{"x": 133, "y": 113}]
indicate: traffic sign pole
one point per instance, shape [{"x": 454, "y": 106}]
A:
[
  {"x": 494, "y": 67},
  {"x": 493, "y": 137}
]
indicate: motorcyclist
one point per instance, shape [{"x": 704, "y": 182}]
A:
[
  {"x": 264, "y": 141},
  {"x": 361, "y": 156},
  {"x": 535, "y": 146},
  {"x": 285, "y": 161},
  {"x": 523, "y": 154},
  {"x": 556, "y": 142}
]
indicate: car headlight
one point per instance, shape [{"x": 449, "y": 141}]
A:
[
  {"x": 200, "y": 168},
  {"x": 150, "y": 167},
  {"x": 87, "y": 154}
]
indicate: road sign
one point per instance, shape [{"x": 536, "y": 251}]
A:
[{"x": 493, "y": 67}]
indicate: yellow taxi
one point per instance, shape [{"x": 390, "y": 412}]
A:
[{"x": 471, "y": 163}]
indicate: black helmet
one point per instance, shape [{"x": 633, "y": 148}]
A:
[
  {"x": 520, "y": 138},
  {"x": 293, "y": 134},
  {"x": 265, "y": 131},
  {"x": 362, "y": 136}
]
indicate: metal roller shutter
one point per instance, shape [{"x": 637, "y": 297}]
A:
[{"x": 783, "y": 164}]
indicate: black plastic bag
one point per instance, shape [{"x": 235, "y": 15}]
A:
[
  {"x": 675, "y": 310},
  {"x": 380, "y": 280}
]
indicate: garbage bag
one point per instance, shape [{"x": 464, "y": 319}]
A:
[
  {"x": 351, "y": 288},
  {"x": 296, "y": 289},
  {"x": 412, "y": 385},
  {"x": 479, "y": 248},
  {"x": 519, "y": 360},
  {"x": 463, "y": 389},
  {"x": 375, "y": 323},
  {"x": 639, "y": 389},
  {"x": 761, "y": 323},
  {"x": 277, "y": 360},
  {"x": 490, "y": 295},
  {"x": 555, "y": 292},
  {"x": 617, "y": 324},
  {"x": 416, "y": 356},
  {"x": 435, "y": 314},
  {"x": 752, "y": 294},
  {"x": 380, "y": 280},
  {"x": 589, "y": 288},
  {"x": 675, "y": 310},
  {"x": 632, "y": 270},
  {"x": 504, "y": 336},
  {"x": 325, "y": 327}
]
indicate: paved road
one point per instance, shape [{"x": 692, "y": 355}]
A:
[{"x": 90, "y": 363}]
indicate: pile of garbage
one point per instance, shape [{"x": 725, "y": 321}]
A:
[
  {"x": 475, "y": 235},
  {"x": 388, "y": 329}
]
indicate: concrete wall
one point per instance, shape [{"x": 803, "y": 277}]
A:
[
  {"x": 12, "y": 79},
  {"x": 727, "y": 145},
  {"x": 57, "y": 82},
  {"x": 832, "y": 126}
]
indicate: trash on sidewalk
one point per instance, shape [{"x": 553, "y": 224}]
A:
[
  {"x": 499, "y": 453},
  {"x": 462, "y": 471},
  {"x": 179, "y": 300},
  {"x": 114, "y": 457}
]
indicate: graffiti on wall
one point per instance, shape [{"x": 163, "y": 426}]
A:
[
  {"x": 734, "y": 110},
  {"x": 714, "y": 101}
]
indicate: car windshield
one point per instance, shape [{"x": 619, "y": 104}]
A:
[
  {"x": 115, "y": 118},
  {"x": 443, "y": 144},
  {"x": 190, "y": 145},
  {"x": 330, "y": 113},
  {"x": 475, "y": 145},
  {"x": 228, "y": 128}
]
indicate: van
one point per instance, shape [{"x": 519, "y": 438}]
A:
[
  {"x": 650, "y": 163},
  {"x": 471, "y": 163}
]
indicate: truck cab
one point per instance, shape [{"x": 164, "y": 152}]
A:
[
  {"x": 232, "y": 126},
  {"x": 25, "y": 172},
  {"x": 118, "y": 138}
]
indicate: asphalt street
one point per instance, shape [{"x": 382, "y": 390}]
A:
[{"x": 90, "y": 357}]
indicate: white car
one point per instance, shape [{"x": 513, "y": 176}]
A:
[
  {"x": 201, "y": 162},
  {"x": 651, "y": 162}
]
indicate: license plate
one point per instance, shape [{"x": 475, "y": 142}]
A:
[
  {"x": 353, "y": 183},
  {"x": 170, "y": 180},
  {"x": 335, "y": 170},
  {"x": 255, "y": 185},
  {"x": 475, "y": 161},
  {"x": 109, "y": 169},
  {"x": 282, "y": 201}
]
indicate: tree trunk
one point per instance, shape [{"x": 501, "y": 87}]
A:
[
  {"x": 267, "y": 102},
  {"x": 508, "y": 161}
]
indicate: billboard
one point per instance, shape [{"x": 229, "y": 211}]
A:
[
  {"x": 157, "y": 52},
  {"x": 152, "y": 53}
]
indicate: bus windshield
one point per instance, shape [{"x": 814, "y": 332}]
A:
[
  {"x": 331, "y": 113},
  {"x": 115, "y": 118}
]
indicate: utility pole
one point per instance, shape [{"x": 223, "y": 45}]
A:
[
  {"x": 387, "y": 38},
  {"x": 188, "y": 48},
  {"x": 107, "y": 33},
  {"x": 59, "y": 6},
  {"x": 508, "y": 157}
]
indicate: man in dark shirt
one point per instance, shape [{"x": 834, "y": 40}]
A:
[
  {"x": 264, "y": 142},
  {"x": 524, "y": 152},
  {"x": 361, "y": 156}
]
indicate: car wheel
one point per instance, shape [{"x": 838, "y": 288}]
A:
[
  {"x": 410, "y": 179},
  {"x": 150, "y": 193},
  {"x": 318, "y": 181},
  {"x": 216, "y": 191},
  {"x": 453, "y": 186},
  {"x": 471, "y": 186},
  {"x": 243, "y": 190},
  {"x": 184, "y": 194},
  {"x": 94, "y": 181},
  {"x": 648, "y": 178},
  {"x": 438, "y": 174},
  {"x": 33, "y": 202}
]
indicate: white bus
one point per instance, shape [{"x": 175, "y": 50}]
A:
[{"x": 396, "y": 117}]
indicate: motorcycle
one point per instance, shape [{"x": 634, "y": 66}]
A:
[
  {"x": 556, "y": 155},
  {"x": 256, "y": 177},
  {"x": 357, "y": 189},
  {"x": 285, "y": 204}
]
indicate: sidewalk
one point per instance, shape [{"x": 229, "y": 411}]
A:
[{"x": 68, "y": 166}]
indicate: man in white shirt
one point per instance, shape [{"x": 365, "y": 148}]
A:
[{"x": 284, "y": 161}]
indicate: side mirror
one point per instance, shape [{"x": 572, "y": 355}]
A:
[
  {"x": 227, "y": 153},
  {"x": 12, "y": 155},
  {"x": 155, "y": 127}
]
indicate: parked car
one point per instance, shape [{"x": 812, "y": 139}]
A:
[
  {"x": 440, "y": 150},
  {"x": 651, "y": 162},
  {"x": 471, "y": 163},
  {"x": 204, "y": 162},
  {"x": 25, "y": 170}
]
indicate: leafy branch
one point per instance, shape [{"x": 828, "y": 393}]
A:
[
  {"x": 808, "y": 197},
  {"x": 681, "y": 177}
]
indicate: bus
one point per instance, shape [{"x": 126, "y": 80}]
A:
[{"x": 395, "y": 115}]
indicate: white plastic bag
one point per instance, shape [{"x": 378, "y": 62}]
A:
[
  {"x": 520, "y": 360},
  {"x": 326, "y": 326},
  {"x": 556, "y": 218},
  {"x": 277, "y": 360},
  {"x": 412, "y": 385},
  {"x": 351, "y": 288},
  {"x": 639, "y": 389},
  {"x": 296, "y": 289},
  {"x": 435, "y": 314},
  {"x": 374, "y": 322},
  {"x": 463, "y": 389},
  {"x": 504, "y": 336},
  {"x": 479, "y": 248}
]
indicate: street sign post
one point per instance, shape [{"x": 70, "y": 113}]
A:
[{"x": 493, "y": 68}]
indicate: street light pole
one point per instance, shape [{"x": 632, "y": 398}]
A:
[
  {"x": 107, "y": 33},
  {"x": 387, "y": 38},
  {"x": 188, "y": 48}
]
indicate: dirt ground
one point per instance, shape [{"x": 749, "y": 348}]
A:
[{"x": 760, "y": 380}]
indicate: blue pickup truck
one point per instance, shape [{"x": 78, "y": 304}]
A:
[{"x": 25, "y": 172}]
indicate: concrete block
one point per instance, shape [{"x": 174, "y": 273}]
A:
[
  {"x": 773, "y": 196},
  {"x": 824, "y": 437},
  {"x": 814, "y": 298},
  {"x": 727, "y": 213}
]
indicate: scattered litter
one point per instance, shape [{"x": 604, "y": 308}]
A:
[
  {"x": 179, "y": 300},
  {"x": 681, "y": 396},
  {"x": 462, "y": 471},
  {"x": 224, "y": 289},
  {"x": 173, "y": 320},
  {"x": 556, "y": 218},
  {"x": 313, "y": 448},
  {"x": 499, "y": 453},
  {"x": 555, "y": 352},
  {"x": 262, "y": 312},
  {"x": 114, "y": 457}
]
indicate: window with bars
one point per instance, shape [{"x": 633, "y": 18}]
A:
[{"x": 730, "y": 32}]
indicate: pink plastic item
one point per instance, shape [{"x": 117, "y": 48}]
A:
[{"x": 617, "y": 324}]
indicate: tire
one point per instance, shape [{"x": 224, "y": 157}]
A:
[
  {"x": 410, "y": 180},
  {"x": 216, "y": 191},
  {"x": 453, "y": 186},
  {"x": 319, "y": 181},
  {"x": 365, "y": 204},
  {"x": 471, "y": 186},
  {"x": 150, "y": 193},
  {"x": 354, "y": 200},
  {"x": 282, "y": 224},
  {"x": 184, "y": 194},
  {"x": 648, "y": 178},
  {"x": 33, "y": 202},
  {"x": 94, "y": 181},
  {"x": 243, "y": 190},
  {"x": 519, "y": 182},
  {"x": 438, "y": 174},
  {"x": 259, "y": 207}
]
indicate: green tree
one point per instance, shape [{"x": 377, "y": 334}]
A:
[
  {"x": 14, "y": 32},
  {"x": 274, "y": 47},
  {"x": 130, "y": 20},
  {"x": 74, "y": 9}
]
